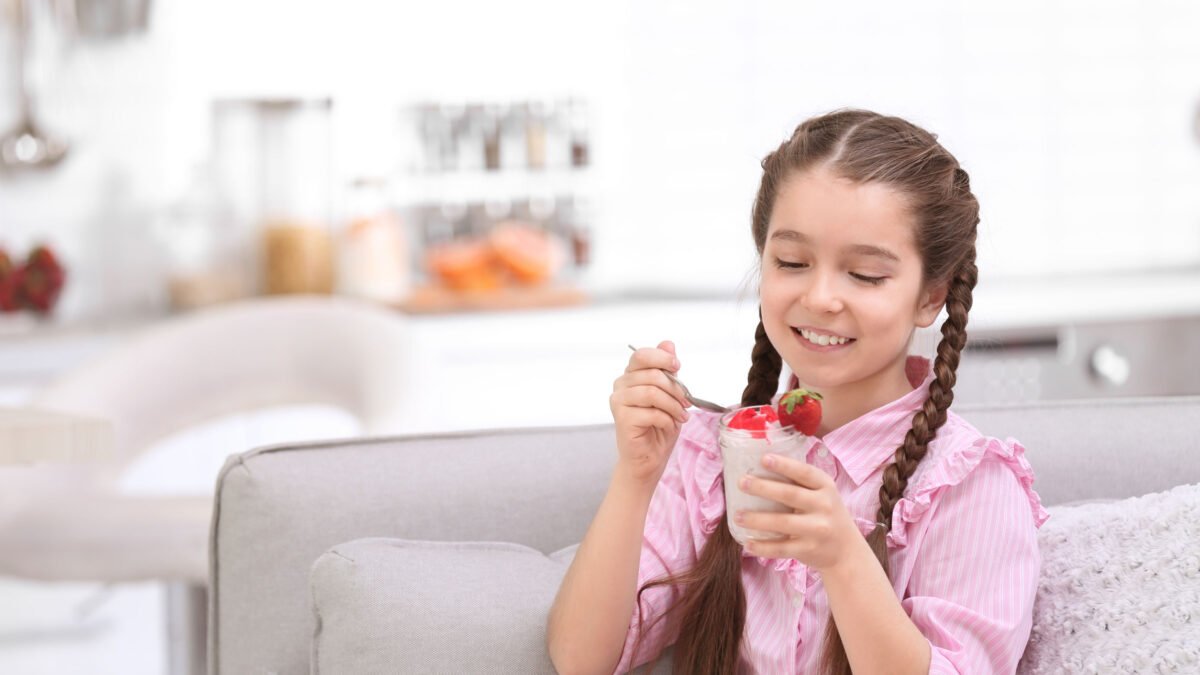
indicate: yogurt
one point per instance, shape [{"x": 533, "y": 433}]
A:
[{"x": 742, "y": 454}]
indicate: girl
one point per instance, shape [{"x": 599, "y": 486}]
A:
[{"x": 911, "y": 546}]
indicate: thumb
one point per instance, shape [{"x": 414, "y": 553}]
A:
[{"x": 669, "y": 347}]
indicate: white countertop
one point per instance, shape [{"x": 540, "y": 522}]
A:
[{"x": 1015, "y": 303}]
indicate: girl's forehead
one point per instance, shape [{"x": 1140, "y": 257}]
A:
[{"x": 826, "y": 208}]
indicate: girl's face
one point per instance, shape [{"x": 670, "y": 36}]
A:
[{"x": 842, "y": 288}]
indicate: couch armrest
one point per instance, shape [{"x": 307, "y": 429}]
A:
[{"x": 279, "y": 508}]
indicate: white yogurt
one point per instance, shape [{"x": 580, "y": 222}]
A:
[{"x": 742, "y": 454}]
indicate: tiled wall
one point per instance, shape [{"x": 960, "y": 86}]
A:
[{"x": 1073, "y": 118}]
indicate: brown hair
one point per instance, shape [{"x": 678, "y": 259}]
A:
[{"x": 864, "y": 147}]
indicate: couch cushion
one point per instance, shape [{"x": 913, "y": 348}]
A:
[
  {"x": 1120, "y": 587},
  {"x": 394, "y": 605}
]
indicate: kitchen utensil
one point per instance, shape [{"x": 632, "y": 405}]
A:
[
  {"x": 26, "y": 146},
  {"x": 698, "y": 402}
]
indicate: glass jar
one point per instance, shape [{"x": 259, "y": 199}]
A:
[
  {"x": 742, "y": 451},
  {"x": 374, "y": 247},
  {"x": 274, "y": 160}
]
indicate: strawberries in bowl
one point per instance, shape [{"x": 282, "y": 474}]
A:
[{"x": 754, "y": 419}]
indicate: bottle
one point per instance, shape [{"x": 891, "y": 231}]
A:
[
  {"x": 374, "y": 252},
  {"x": 535, "y": 136},
  {"x": 513, "y": 148},
  {"x": 577, "y": 113},
  {"x": 491, "y": 137}
]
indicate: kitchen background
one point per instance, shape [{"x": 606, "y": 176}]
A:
[{"x": 534, "y": 184}]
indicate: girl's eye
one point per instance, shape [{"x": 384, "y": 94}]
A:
[
  {"x": 783, "y": 264},
  {"x": 874, "y": 281}
]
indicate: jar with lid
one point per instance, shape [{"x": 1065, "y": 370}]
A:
[{"x": 274, "y": 162}]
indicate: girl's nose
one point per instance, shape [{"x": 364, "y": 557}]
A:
[{"x": 821, "y": 296}]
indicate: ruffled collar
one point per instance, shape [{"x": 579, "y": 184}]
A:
[{"x": 865, "y": 443}]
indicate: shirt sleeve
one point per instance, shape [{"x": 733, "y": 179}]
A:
[
  {"x": 669, "y": 546},
  {"x": 972, "y": 589}
]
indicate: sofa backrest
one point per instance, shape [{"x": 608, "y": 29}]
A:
[{"x": 279, "y": 508}]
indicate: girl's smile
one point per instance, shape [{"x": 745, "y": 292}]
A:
[{"x": 821, "y": 341}]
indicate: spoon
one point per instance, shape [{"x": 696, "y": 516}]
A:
[{"x": 698, "y": 402}]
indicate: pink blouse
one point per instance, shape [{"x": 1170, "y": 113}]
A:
[{"x": 963, "y": 545}]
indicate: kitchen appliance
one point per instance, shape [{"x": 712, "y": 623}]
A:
[{"x": 1122, "y": 358}]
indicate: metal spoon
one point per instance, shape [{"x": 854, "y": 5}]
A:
[{"x": 698, "y": 402}]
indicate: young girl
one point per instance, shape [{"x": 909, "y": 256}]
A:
[{"x": 911, "y": 545}]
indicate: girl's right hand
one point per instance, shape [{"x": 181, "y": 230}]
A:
[{"x": 649, "y": 409}]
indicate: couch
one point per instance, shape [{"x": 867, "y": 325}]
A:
[{"x": 442, "y": 553}]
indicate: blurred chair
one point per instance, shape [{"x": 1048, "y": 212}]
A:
[{"x": 67, "y": 523}]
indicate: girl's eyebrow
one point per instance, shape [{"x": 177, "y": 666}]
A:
[{"x": 860, "y": 249}]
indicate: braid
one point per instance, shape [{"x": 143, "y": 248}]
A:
[
  {"x": 925, "y": 424},
  {"x": 932, "y": 414},
  {"x": 765, "y": 367}
]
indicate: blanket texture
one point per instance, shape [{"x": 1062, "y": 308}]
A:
[{"x": 1120, "y": 587}]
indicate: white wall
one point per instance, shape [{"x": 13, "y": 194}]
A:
[{"x": 1073, "y": 118}]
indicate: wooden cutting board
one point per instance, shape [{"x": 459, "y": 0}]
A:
[{"x": 442, "y": 300}]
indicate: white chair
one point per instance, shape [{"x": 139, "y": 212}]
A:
[{"x": 68, "y": 524}]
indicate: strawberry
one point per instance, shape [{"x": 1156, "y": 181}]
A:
[
  {"x": 10, "y": 279},
  {"x": 42, "y": 280},
  {"x": 754, "y": 419},
  {"x": 801, "y": 408}
]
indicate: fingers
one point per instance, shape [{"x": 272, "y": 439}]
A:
[
  {"x": 660, "y": 357},
  {"x": 652, "y": 377},
  {"x": 647, "y": 418},
  {"x": 800, "y": 472},
  {"x": 797, "y": 546},
  {"x": 652, "y": 395},
  {"x": 667, "y": 346},
  {"x": 800, "y": 499},
  {"x": 788, "y": 524}
]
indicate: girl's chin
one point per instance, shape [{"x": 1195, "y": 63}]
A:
[{"x": 814, "y": 378}]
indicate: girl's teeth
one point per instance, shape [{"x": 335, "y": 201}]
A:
[{"x": 823, "y": 340}]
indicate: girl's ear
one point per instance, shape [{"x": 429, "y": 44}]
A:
[{"x": 933, "y": 298}]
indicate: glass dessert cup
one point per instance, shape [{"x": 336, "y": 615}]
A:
[{"x": 742, "y": 451}]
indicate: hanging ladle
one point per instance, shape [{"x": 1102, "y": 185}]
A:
[{"x": 26, "y": 146}]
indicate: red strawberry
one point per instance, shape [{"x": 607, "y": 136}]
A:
[
  {"x": 43, "y": 280},
  {"x": 801, "y": 408},
  {"x": 10, "y": 279},
  {"x": 754, "y": 419}
]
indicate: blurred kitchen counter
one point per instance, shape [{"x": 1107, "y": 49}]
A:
[{"x": 1058, "y": 338}]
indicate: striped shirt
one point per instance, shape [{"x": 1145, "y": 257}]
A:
[{"x": 963, "y": 545}]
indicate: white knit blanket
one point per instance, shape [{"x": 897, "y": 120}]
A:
[{"x": 1120, "y": 587}]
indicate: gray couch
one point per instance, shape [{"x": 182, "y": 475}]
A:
[{"x": 442, "y": 553}]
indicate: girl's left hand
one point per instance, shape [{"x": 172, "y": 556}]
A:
[{"x": 819, "y": 532}]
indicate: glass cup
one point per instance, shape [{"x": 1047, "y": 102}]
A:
[{"x": 742, "y": 454}]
